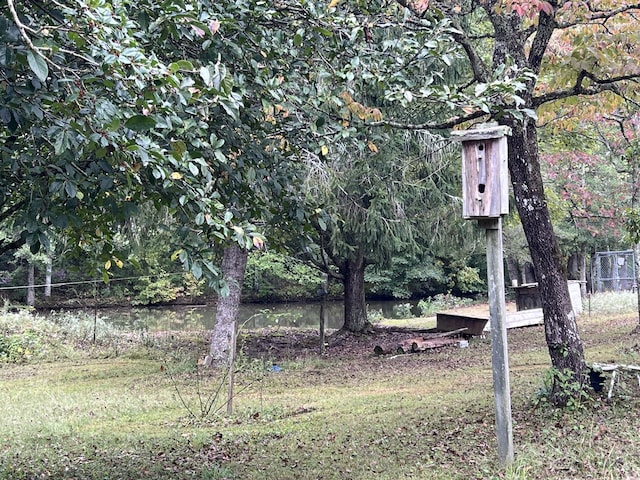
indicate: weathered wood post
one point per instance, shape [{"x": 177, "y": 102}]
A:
[
  {"x": 324, "y": 292},
  {"x": 485, "y": 195}
]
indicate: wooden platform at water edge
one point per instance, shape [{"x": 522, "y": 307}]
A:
[
  {"x": 523, "y": 312},
  {"x": 476, "y": 319}
]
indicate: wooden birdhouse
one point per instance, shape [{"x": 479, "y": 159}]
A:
[{"x": 485, "y": 176}]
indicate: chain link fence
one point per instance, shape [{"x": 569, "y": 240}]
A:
[{"x": 613, "y": 272}]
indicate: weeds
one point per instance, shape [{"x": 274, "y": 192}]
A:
[
  {"x": 205, "y": 387},
  {"x": 403, "y": 310},
  {"x": 431, "y": 305},
  {"x": 560, "y": 387}
]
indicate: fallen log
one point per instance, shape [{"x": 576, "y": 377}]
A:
[
  {"x": 378, "y": 350},
  {"x": 420, "y": 344}
]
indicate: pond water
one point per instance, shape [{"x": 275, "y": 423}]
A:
[{"x": 251, "y": 315}]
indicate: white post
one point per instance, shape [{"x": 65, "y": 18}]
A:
[{"x": 499, "y": 350}]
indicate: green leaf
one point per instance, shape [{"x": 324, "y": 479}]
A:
[
  {"x": 231, "y": 108},
  {"x": 480, "y": 89},
  {"x": 205, "y": 73},
  {"x": 140, "y": 123},
  {"x": 144, "y": 21},
  {"x": 35, "y": 247},
  {"x": 196, "y": 270},
  {"x": 61, "y": 143},
  {"x": 38, "y": 65},
  {"x": 71, "y": 189},
  {"x": 181, "y": 65}
]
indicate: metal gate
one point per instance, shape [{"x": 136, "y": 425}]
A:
[{"x": 613, "y": 271}]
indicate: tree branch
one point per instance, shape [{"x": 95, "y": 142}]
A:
[
  {"x": 11, "y": 210},
  {"x": 446, "y": 124},
  {"x": 599, "y": 15},
  {"x": 600, "y": 85},
  {"x": 23, "y": 29},
  {"x": 546, "y": 26},
  {"x": 480, "y": 70},
  {"x": 11, "y": 246}
]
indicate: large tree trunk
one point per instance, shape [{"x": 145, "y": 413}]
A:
[
  {"x": 561, "y": 330},
  {"x": 355, "y": 307},
  {"x": 234, "y": 264}
]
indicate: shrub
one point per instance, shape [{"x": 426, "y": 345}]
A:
[
  {"x": 403, "y": 310},
  {"x": 375, "y": 316},
  {"x": 18, "y": 348},
  {"x": 161, "y": 290},
  {"x": 429, "y": 306},
  {"x": 25, "y": 336}
]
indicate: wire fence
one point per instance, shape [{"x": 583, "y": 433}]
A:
[
  {"x": 89, "y": 282},
  {"x": 614, "y": 272}
]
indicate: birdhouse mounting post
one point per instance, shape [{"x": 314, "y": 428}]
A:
[{"x": 485, "y": 197}]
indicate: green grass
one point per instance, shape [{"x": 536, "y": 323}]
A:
[
  {"x": 94, "y": 414},
  {"x": 417, "y": 322}
]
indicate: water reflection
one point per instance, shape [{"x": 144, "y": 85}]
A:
[{"x": 251, "y": 316}]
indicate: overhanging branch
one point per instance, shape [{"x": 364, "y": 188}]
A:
[
  {"x": 599, "y": 15},
  {"x": 447, "y": 124},
  {"x": 11, "y": 246},
  {"x": 598, "y": 85}
]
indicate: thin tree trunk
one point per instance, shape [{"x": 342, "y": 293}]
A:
[
  {"x": 513, "y": 270},
  {"x": 573, "y": 266},
  {"x": 234, "y": 263},
  {"x": 47, "y": 279},
  {"x": 583, "y": 272},
  {"x": 561, "y": 330},
  {"x": 355, "y": 307},
  {"x": 636, "y": 259},
  {"x": 577, "y": 267},
  {"x": 31, "y": 281}
]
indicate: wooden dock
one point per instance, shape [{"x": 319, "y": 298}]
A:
[
  {"x": 519, "y": 313},
  {"x": 476, "y": 319}
]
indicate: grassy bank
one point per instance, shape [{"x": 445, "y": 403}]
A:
[{"x": 119, "y": 408}]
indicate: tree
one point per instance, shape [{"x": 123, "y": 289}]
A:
[
  {"x": 626, "y": 145},
  {"x": 555, "y": 46},
  {"x": 374, "y": 205},
  {"x": 97, "y": 124},
  {"x": 588, "y": 186}
]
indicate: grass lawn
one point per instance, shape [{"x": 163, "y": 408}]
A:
[{"x": 120, "y": 409}]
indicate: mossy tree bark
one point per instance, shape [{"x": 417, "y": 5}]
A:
[
  {"x": 223, "y": 343},
  {"x": 561, "y": 329}
]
